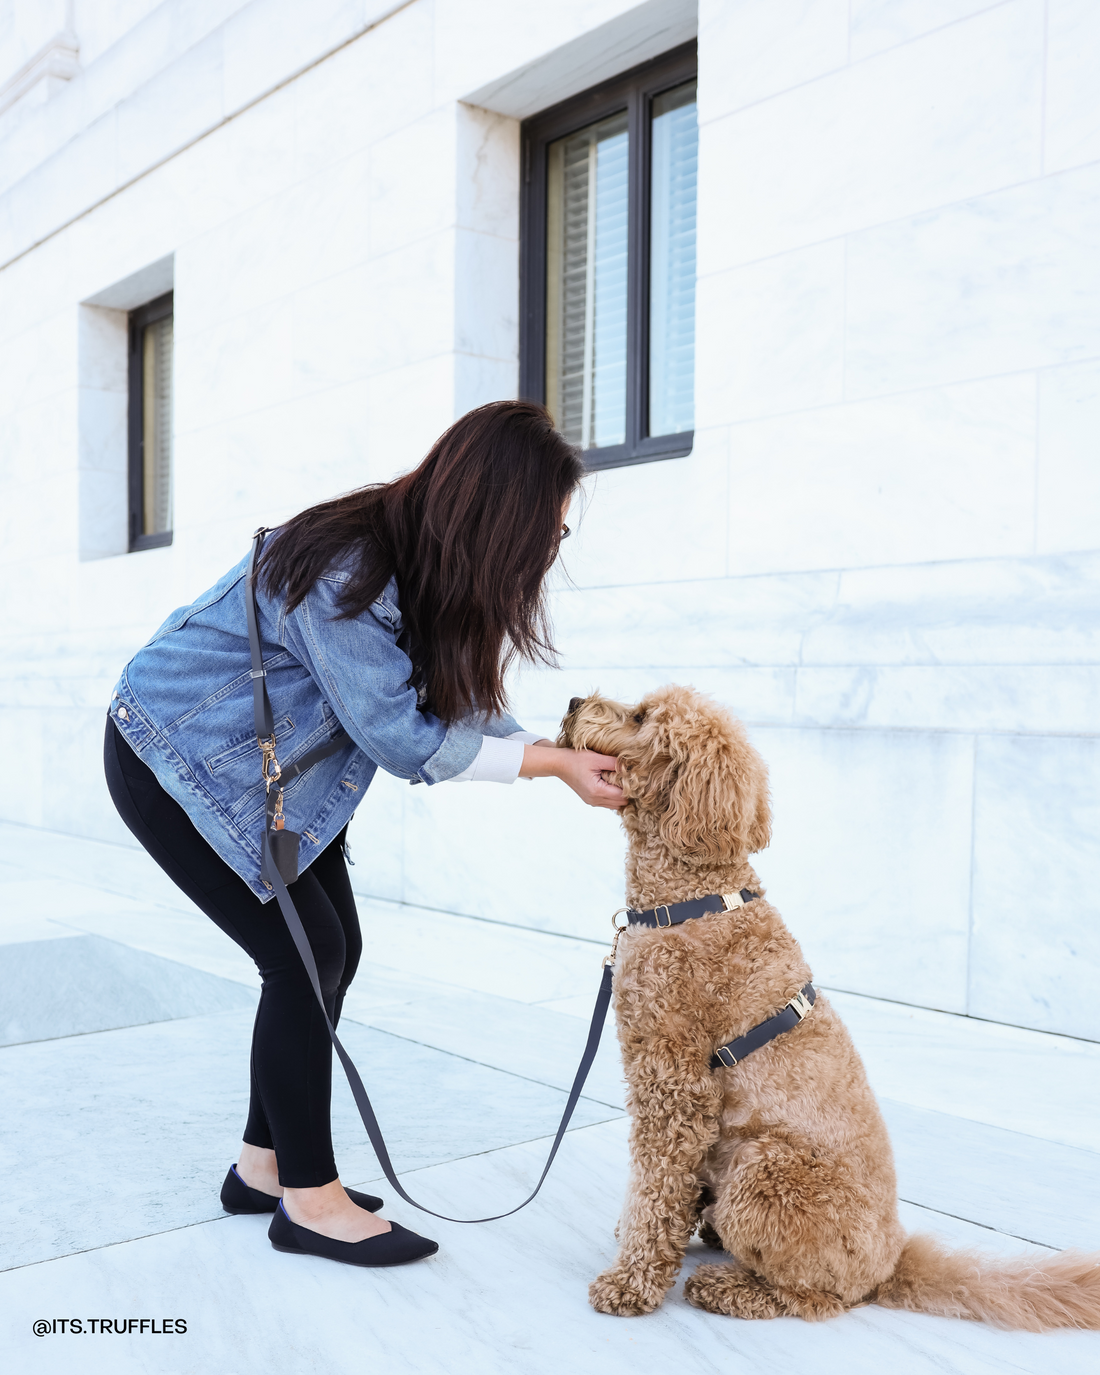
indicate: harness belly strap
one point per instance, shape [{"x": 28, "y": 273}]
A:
[{"x": 800, "y": 1006}]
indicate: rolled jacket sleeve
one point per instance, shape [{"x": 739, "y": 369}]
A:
[{"x": 364, "y": 676}]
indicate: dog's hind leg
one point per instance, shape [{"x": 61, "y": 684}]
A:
[
  {"x": 675, "y": 1122},
  {"x": 740, "y": 1294}
]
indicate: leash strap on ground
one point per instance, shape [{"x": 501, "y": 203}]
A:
[
  {"x": 359, "y": 1093},
  {"x": 265, "y": 727}
]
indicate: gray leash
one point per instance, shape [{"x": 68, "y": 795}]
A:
[{"x": 279, "y": 866}]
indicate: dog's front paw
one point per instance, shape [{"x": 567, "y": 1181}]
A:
[{"x": 623, "y": 1295}]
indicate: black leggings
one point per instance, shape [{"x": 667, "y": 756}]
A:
[{"x": 291, "y": 1070}]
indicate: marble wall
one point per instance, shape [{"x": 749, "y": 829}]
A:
[{"x": 882, "y": 552}]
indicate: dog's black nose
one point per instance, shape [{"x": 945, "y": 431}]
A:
[{"x": 574, "y": 703}]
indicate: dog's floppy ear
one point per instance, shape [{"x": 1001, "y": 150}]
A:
[{"x": 718, "y": 800}]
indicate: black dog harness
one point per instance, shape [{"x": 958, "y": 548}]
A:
[{"x": 799, "y": 1007}]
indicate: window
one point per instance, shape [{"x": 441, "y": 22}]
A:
[
  {"x": 150, "y": 424},
  {"x": 608, "y": 263}
]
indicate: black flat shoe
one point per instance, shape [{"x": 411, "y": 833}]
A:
[
  {"x": 395, "y": 1247},
  {"x": 238, "y": 1197}
]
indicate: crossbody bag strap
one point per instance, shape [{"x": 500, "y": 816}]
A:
[
  {"x": 261, "y": 702},
  {"x": 265, "y": 729}
]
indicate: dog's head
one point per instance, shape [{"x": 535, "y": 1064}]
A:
[{"x": 686, "y": 767}]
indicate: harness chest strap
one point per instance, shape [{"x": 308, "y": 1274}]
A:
[{"x": 801, "y": 1005}]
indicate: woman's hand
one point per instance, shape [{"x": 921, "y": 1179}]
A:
[{"x": 582, "y": 770}]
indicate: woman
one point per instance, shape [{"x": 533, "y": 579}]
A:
[{"x": 390, "y": 614}]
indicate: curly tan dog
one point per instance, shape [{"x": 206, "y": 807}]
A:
[{"x": 788, "y": 1150}]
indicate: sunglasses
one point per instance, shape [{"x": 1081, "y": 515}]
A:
[{"x": 565, "y": 533}]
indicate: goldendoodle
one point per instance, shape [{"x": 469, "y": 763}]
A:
[{"x": 782, "y": 1160}]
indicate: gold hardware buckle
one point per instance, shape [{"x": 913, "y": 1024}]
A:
[
  {"x": 801, "y": 1005},
  {"x": 726, "y": 1056},
  {"x": 668, "y": 916},
  {"x": 270, "y": 771},
  {"x": 733, "y": 901},
  {"x": 610, "y": 959}
]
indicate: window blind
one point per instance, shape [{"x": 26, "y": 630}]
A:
[
  {"x": 672, "y": 262},
  {"x": 156, "y": 419},
  {"x": 587, "y": 219}
]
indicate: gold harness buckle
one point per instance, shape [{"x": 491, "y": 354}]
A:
[
  {"x": 733, "y": 901},
  {"x": 801, "y": 1005},
  {"x": 668, "y": 915}
]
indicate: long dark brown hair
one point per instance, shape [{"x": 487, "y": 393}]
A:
[{"x": 470, "y": 535}]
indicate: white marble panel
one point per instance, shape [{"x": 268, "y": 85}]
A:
[
  {"x": 1068, "y": 496},
  {"x": 771, "y": 335},
  {"x": 471, "y": 1307},
  {"x": 238, "y": 365},
  {"x": 413, "y": 182},
  {"x": 486, "y": 295},
  {"x": 528, "y": 854},
  {"x": 749, "y": 52},
  {"x": 655, "y": 521},
  {"x": 478, "y": 379},
  {"x": 376, "y": 839},
  {"x": 364, "y": 91},
  {"x": 178, "y": 105},
  {"x": 878, "y": 24},
  {"x": 999, "y": 1179},
  {"x": 309, "y": 232},
  {"x": 488, "y": 172},
  {"x": 265, "y": 43},
  {"x": 932, "y": 475},
  {"x": 993, "y": 285},
  {"x": 157, "y": 1110},
  {"x": 81, "y": 173},
  {"x": 1031, "y": 699},
  {"x": 484, "y": 956},
  {"x": 519, "y": 59},
  {"x": 951, "y": 115},
  {"x": 1071, "y": 133},
  {"x": 991, "y": 611},
  {"x": 531, "y": 1041},
  {"x": 46, "y": 429},
  {"x": 51, "y": 989},
  {"x": 394, "y": 310},
  {"x": 764, "y": 694},
  {"x": 1035, "y": 943},
  {"x": 861, "y": 820},
  {"x": 1023, "y": 1081},
  {"x": 38, "y": 363},
  {"x": 718, "y": 622},
  {"x": 409, "y": 407}
]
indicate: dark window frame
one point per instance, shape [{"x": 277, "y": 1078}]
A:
[
  {"x": 144, "y": 315},
  {"x": 633, "y": 91}
]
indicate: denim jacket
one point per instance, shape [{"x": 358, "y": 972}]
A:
[{"x": 184, "y": 705}]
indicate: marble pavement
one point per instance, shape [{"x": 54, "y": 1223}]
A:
[{"x": 124, "y": 1026}]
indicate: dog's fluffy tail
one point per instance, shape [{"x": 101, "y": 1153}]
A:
[{"x": 1033, "y": 1293}]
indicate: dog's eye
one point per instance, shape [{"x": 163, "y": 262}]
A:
[{"x": 639, "y": 716}]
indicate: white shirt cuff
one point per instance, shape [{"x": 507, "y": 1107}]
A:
[
  {"x": 498, "y": 761},
  {"x": 529, "y": 737}
]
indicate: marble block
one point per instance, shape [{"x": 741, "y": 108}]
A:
[
  {"x": 1010, "y": 1077},
  {"x": 1068, "y": 496},
  {"x": 848, "y": 862},
  {"x": 1072, "y": 128},
  {"x": 143, "y": 1123},
  {"x": 1039, "y": 1191},
  {"x": 991, "y": 285},
  {"x": 55, "y": 988},
  {"x": 483, "y": 956},
  {"x": 531, "y": 1041},
  {"x": 951, "y": 115},
  {"x": 507, "y": 1298},
  {"x": 1035, "y": 943}
]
